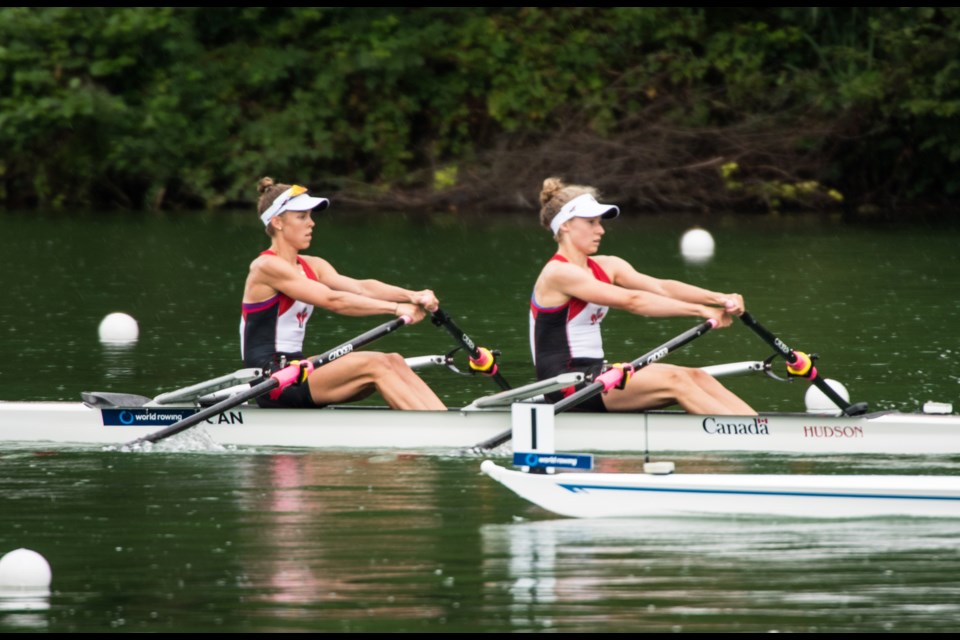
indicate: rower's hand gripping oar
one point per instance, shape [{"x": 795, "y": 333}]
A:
[
  {"x": 293, "y": 373},
  {"x": 482, "y": 360},
  {"x": 801, "y": 365},
  {"x": 615, "y": 376}
]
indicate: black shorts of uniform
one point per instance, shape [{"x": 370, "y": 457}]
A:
[
  {"x": 295, "y": 396},
  {"x": 590, "y": 405}
]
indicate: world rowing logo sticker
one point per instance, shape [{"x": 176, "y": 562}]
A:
[
  {"x": 156, "y": 417},
  {"x": 566, "y": 460},
  {"x": 144, "y": 417}
]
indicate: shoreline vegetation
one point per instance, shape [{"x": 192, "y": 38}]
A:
[{"x": 852, "y": 109}]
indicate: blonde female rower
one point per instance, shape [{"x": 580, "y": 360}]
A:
[
  {"x": 576, "y": 288},
  {"x": 281, "y": 291}
]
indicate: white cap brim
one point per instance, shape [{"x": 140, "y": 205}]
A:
[
  {"x": 583, "y": 206},
  {"x": 305, "y": 202},
  {"x": 287, "y": 202}
]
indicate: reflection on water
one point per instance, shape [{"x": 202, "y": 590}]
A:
[
  {"x": 244, "y": 540},
  {"x": 731, "y": 574},
  {"x": 119, "y": 360},
  {"x": 24, "y": 612},
  {"x": 23, "y": 621},
  {"x": 314, "y": 556}
]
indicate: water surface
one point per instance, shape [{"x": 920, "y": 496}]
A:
[{"x": 288, "y": 540}]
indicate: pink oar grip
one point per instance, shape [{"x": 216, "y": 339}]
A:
[
  {"x": 713, "y": 323},
  {"x": 288, "y": 375},
  {"x": 406, "y": 319},
  {"x": 610, "y": 378}
]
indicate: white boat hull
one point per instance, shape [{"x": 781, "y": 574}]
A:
[
  {"x": 608, "y": 495},
  {"x": 366, "y": 427}
]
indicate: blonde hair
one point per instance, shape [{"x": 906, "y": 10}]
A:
[
  {"x": 555, "y": 193},
  {"x": 269, "y": 191}
]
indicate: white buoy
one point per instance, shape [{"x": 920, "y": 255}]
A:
[
  {"x": 118, "y": 328},
  {"x": 818, "y": 403},
  {"x": 941, "y": 408},
  {"x": 659, "y": 468},
  {"x": 697, "y": 245},
  {"x": 23, "y": 570}
]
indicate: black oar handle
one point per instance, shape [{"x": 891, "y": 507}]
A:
[
  {"x": 769, "y": 338},
  {"x": 792, "y": 358},
  {"x": 273, "y": 382},
  {"x": 597, "y": 387},
  {"x": 361, "y": 340},
  {"x": 441, "y": 319},
  {"x": 647, "y": 359}
]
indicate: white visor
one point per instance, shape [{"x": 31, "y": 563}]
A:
[
  {"x": 584, "y": 206},
  {"x": 293, "y": 199}
]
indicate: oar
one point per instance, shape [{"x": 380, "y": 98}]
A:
[
  {"x": 800, "y": 364},
  {"x": 278, "y": 380},
  {"x": 481, "y": 359},
  {"x": 611, "y": 378}
]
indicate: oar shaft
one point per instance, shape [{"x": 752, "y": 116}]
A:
[
  {"x": 224, "y": 405},
  {"x": 441, "y": 319},
  {"x": 828, "y": 391},
  {"x": 793, "y": 359},
  {"x": 775, "y": 342},
  {"x": 610, "y": 378},
  {"x": 360, "y": 341},
  {"x": 277, "y": 379},
  {"x": 603, "y": 384}
]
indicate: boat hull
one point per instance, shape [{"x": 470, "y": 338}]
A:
[
  {"x": 609, "y": 495},
  {"x": 367, "y": 427}
]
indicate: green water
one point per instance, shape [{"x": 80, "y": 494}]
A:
[
  {"x": 302, "y": 541},
  {"x": 880, "y": 305},
  {"x": 266, "y": 540}
]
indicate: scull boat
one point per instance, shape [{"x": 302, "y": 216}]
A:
[
  {"x": 659, "y": 492},
  {"x": 114, "y": 419},
  {"x": 606, "y": 495}
]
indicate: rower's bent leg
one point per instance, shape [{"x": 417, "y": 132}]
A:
[
  {"x": 660, "y": 385},
  {"x": 360, "y": 372},
  {"x": 732, "y": 403},
  {"x": 413, "y": 392}
]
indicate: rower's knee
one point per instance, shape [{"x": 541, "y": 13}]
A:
[
  {"x": 681, "y": 380},
  {"x": 396, "y": 361},
  {"x": 369, "y": 364},
  {"x": 385, "y": 364},
  {"x": 699, "y": 376}
]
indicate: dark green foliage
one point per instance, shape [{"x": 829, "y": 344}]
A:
[{"x": 188, "y": 107}]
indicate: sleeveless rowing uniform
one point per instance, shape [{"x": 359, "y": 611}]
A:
[
  {"x": 567, "y": 338},
  {"x": 273, "y": 329}
]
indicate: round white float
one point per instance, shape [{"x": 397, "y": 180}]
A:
[
  {"x": 942, "y": 408},
  {"x": 659, "y": 468},
  {"x": 697, "y": 245},
  {"x": 24, "y": 570},
  {"x": 118, "y": 328},
  {"x": 818, "y": 403}
]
